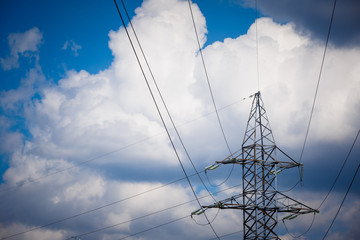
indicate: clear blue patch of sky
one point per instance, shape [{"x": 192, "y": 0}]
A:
[{"x": 225, "y": 19}]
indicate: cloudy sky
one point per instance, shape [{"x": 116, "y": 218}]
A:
[{"x": 83, "y": 150}]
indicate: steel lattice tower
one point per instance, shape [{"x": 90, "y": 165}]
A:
[{"x": 260, "y": 200}]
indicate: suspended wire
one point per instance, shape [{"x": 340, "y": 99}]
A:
[
  {"x": 312, "y": 111},
  {"x": 163, "y": 101},
  {"x": 342, "y": 167},
  {"x": 257, "y": 45},
  {"x": 161, "y": 225},
  {"x": 207, "y": 77},
  {"x": 175, "y": 220},
  {"x": 165, "y": 105},
  {"x": 342, "y": 202},
  {"x": 302, "y": 234},
  {"x": 221, "y": 183},
  {"x": 318, "y": 81},
  {"x": 147, "y": 215},
  {"x": 227, "y": 178},
  {"x": 35, "y": 179},
  {"x": 209, "y": 85},
  {"x": 288, "y": 190},
  {"x": 202, "y": 224},
  {"x": 159, "y": 112},
  {"x": 337, "y": 177},
  {"x": 105, "y": 206},
  {"x": 229, "y": 234},
  {"x": 118, "y": 201},
  {"x": 95, "y": 209},
  {"x": 352, "y": 180}
]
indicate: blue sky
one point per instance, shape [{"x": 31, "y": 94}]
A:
[{"x": 73, "y": 102}]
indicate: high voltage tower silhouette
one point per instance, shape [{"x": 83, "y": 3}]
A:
[{"x": 260, "y": 200}]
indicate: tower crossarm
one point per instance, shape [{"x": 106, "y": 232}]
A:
[
  {"x": 270, "y": 161},
  {"x": 284, "y": 204}
]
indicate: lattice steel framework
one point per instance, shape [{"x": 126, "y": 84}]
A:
[{"x": 260, "y": 200}]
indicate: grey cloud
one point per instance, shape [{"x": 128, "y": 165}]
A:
[{"x": 314, "y": 17}]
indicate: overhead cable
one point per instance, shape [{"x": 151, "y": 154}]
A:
[
  {"x": 342, "y": 167},
  {"x": 228, "y": 234},
  {"x": 157, "y": 226},
  {"x": 94, "y": 209},
  {"x": 211, "y": 92},
  {"x": 342, "y": 202},
  {"x": 257, "y": 45},
  {"x": 102, "y": 207},
  {"x": 160, "y": 114},
  {"x": 207, "y": 77},
  {"x": 36, "y": 179},
  {"x": 318, "y": 81},
  {"x": 163, "y": 101},
  {"x": 149, "y": 214},
  {"x": 337, "y": 177},
  {"x": 302, "y": 234}
]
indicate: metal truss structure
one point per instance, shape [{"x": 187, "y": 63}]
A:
[{"x": 260, "y": 200}]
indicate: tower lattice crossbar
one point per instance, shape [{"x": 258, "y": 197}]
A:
[{"x": 260, "y": 200}]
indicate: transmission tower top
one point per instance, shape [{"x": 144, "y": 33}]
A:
[{"x": 261, "y": 161}]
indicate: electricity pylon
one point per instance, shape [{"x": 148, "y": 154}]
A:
[{"x": 260, "y": 200}]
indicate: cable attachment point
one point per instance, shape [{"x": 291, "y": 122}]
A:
[
  {"x": 276, "y": 172},
  {"x": 290, "y": 217},
  {"x": 198, "y": 212},
  {"x": 212, "y": 167}
]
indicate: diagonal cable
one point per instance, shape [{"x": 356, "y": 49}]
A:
[
  {"x": 318, "y": 82},
  {"x": 211, "y": 94},
  {"x": 149, "y": 214},
  {"x": 38, "y": 178},
  {"x": 160, "y": 115},
  {"x": 207, "y": 78},
  {"x": 342, "y": 167},
  {"x": 342, "y": 202},
  {"x": 163, "y": 102}
]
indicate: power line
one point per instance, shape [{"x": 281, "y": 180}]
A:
[
  {"x": 318, "y": 82},
  {"x": 35, "y": 179},
  {"x": 257, "y": 45},
  {"x": 302, "y": 234},
  {"x": 118, "y": 201},
  {"x": 147, "y": 215},
  {"x": 342, "y": 167},
  {"x": 134, "y": 219},
  {"x": 347, "y": 191},
  {"x": 105, "y": 206},
  {"x": 342, "y": 202},
  {"x": 207, "y": 77},
  {"x": 159, "y": 112},
  {"x": 166, "y": 223},
  {"x": 228, "y": 234},
  {"x": 162, "y": 99},
  {"x": 95, "y": 209},
  {"x": 211, "y": 93},
  {"x": 161, "y": 225},
  {"x": 337, "y": 177}
]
